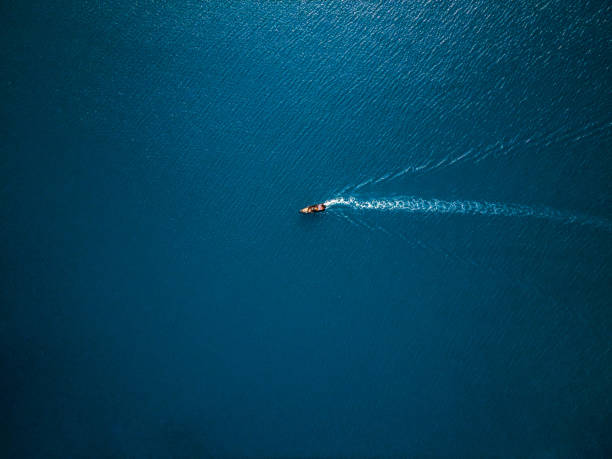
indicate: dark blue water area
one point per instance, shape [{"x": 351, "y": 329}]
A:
[{"x": 161, "y": 295}]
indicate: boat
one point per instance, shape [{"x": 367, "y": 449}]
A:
[{"x": 312, "y": 209}]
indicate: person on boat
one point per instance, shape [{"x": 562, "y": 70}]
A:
[{"x": 313, "y": 208}]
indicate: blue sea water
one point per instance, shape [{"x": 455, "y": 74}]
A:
[{"x": 162, "y": 297}]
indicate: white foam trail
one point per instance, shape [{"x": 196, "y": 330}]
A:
[
  {"x": 363, "y": 184},
  {"x": 437, "y": 206},
  {"x": 460, "y": 157},
  {"x": 383, "y": 178},
  {"x": 501, "y": 148},
  {"x": 344, "y": 189}
]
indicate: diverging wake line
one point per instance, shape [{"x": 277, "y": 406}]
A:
[{"x": 437, "y": 206}]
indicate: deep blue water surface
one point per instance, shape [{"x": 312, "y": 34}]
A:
[{"x": 161, "y": 295}]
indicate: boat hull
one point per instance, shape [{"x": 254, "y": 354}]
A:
[{"x": 312, "y": 209}]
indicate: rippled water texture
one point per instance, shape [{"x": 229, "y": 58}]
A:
[{"x": 162, "y": 296}]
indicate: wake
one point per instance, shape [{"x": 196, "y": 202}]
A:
[
  {"x": 437, "y": 206},
  {"x": 498, "y": 149}
]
